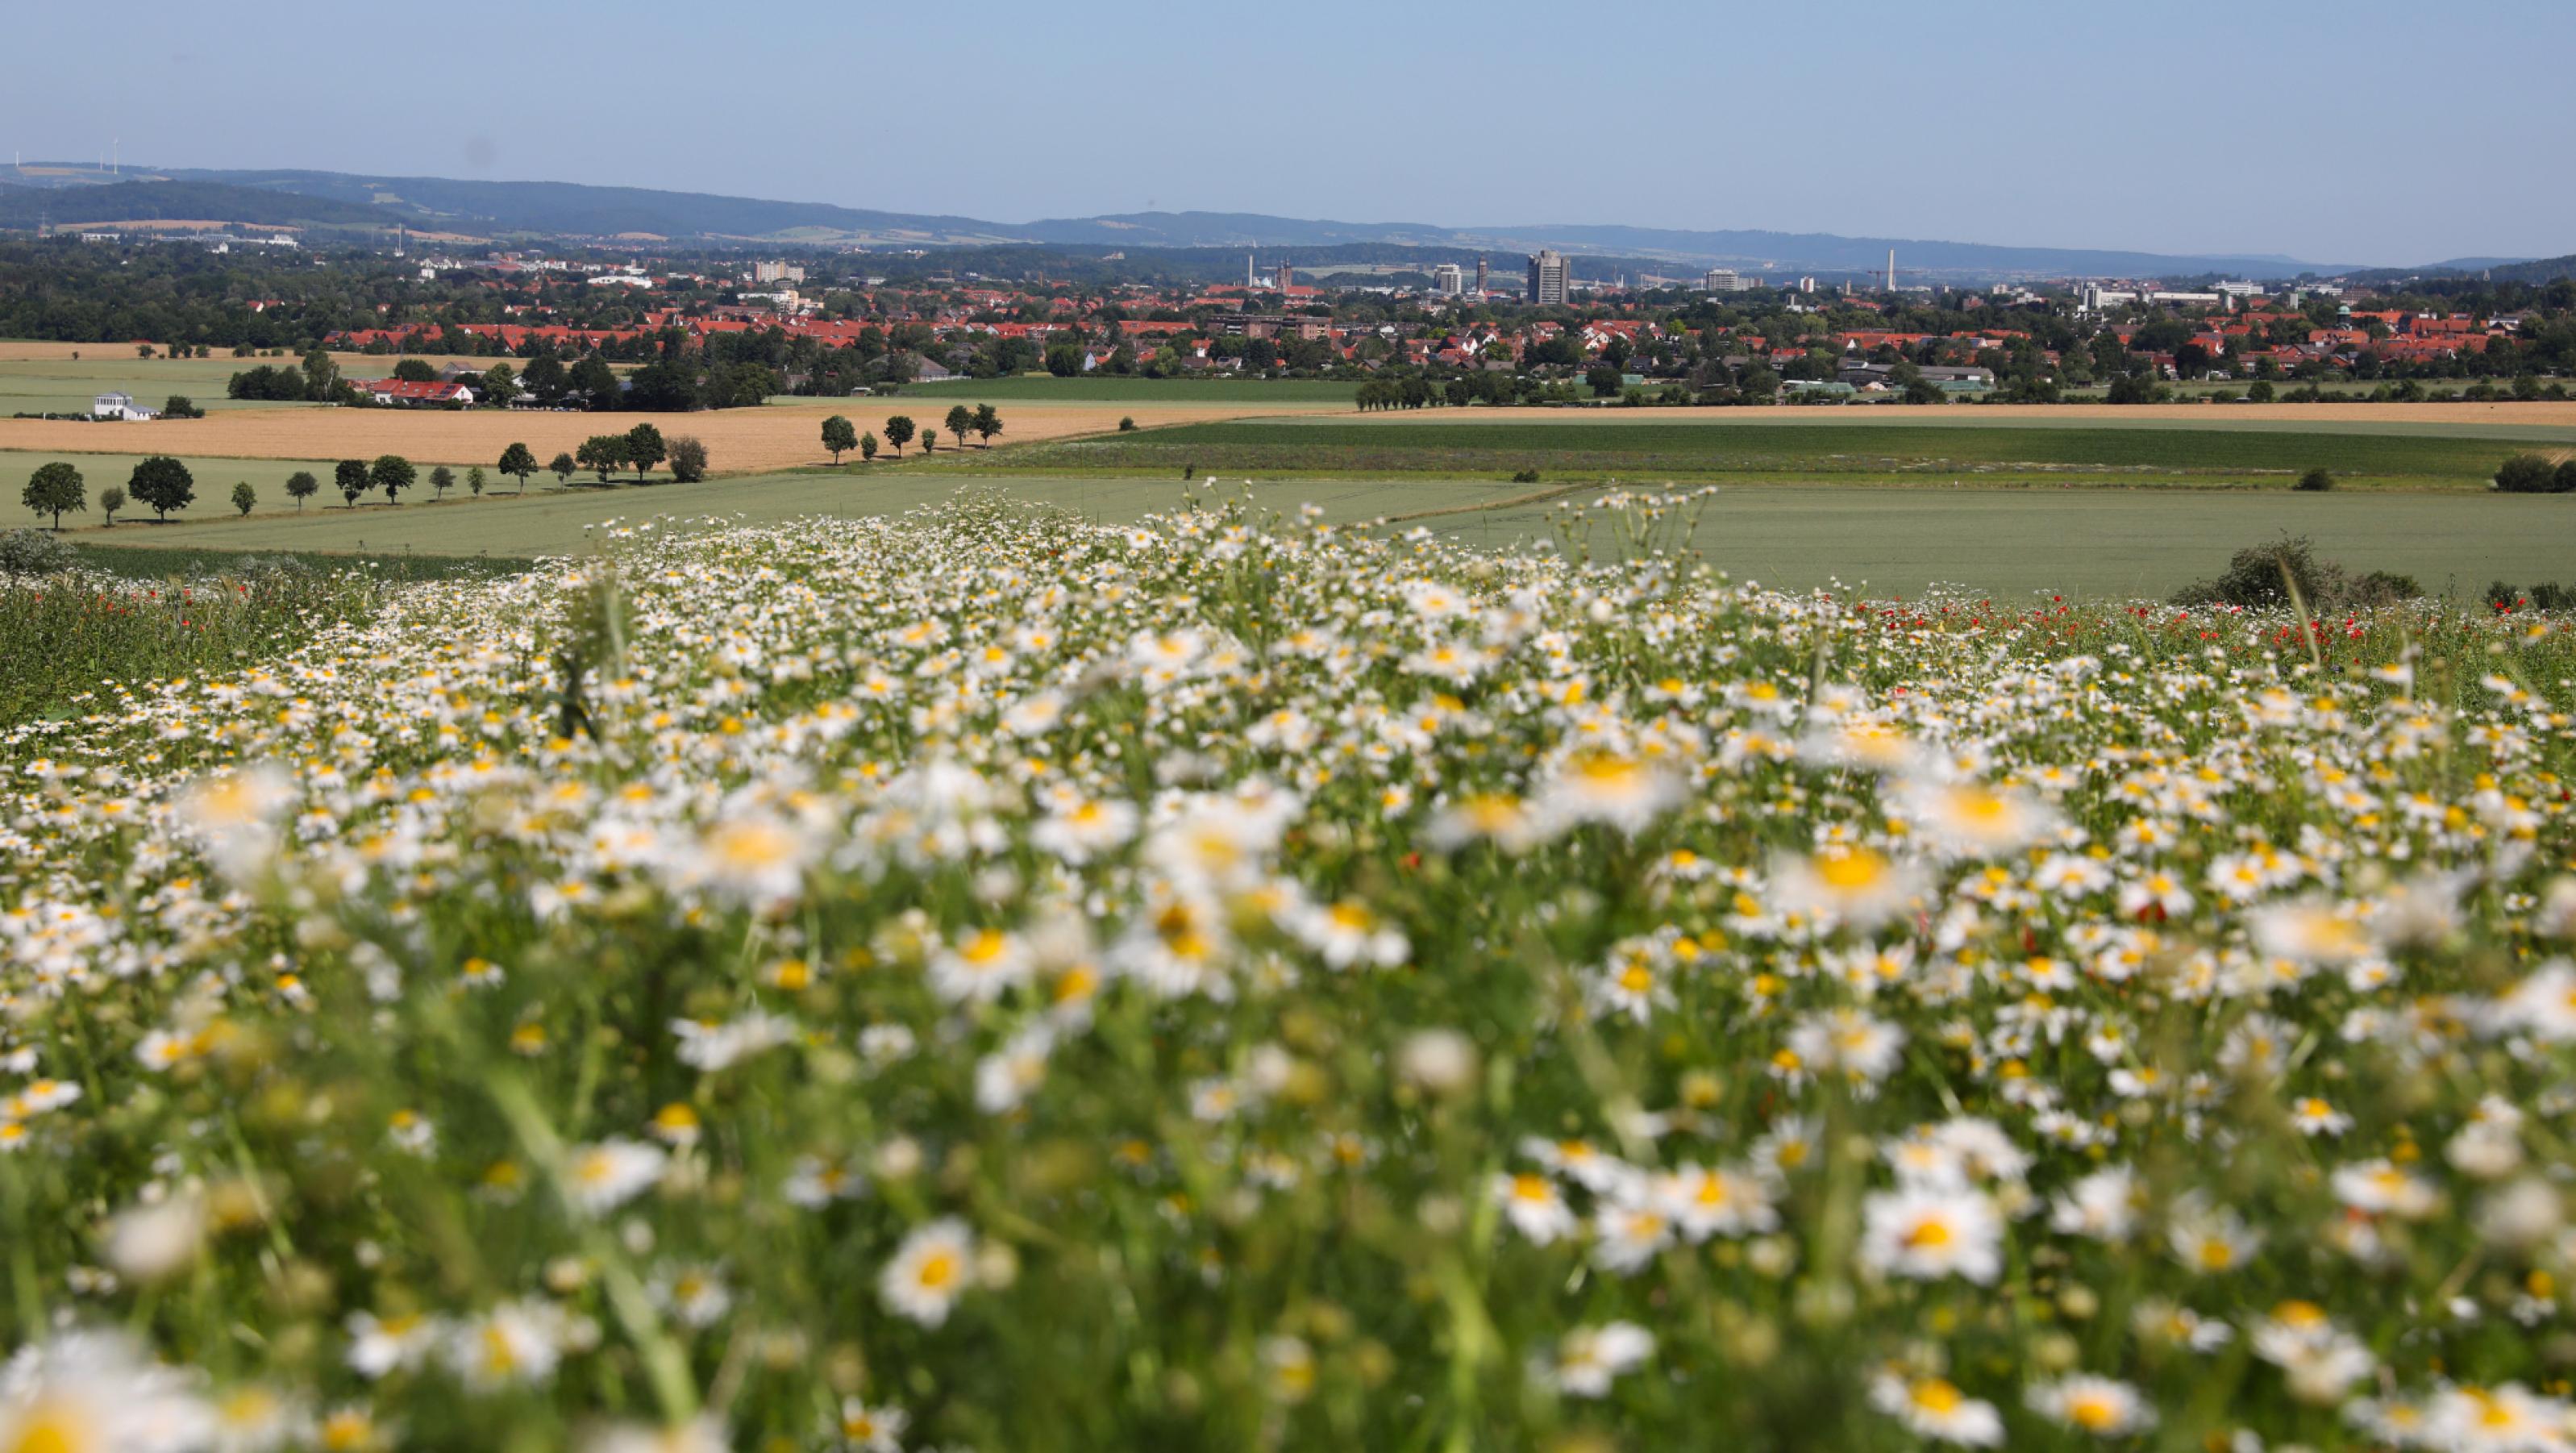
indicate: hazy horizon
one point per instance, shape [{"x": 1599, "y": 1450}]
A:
[{"x": 2358, "y": 133}]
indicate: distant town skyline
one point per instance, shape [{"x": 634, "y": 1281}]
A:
[{"x": 2299, "y": 128}]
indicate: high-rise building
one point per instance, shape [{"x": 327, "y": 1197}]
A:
[
  {"x": 1727, "y": 280},
  {"x": 777, "y": 272},
  {"x": 1480, "y": 275},
  {"x": 1448, "y": 280},
  {"x": 1548, "y": 279}
]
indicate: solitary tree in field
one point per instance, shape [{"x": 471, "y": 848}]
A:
[
  {"x": 987, "y": 423},
  {"x": 867, "y": 447},
  {"x": 163, "y": 483},
  {"x": 244, "y": 497},
  {"x": 960, "y": 421},
  {"x": 562, "y": 467},
  {"x": 301, "y": 486},
  {"x": 441, "y": 480},
  {"x": 644, "y": 449},
  {"x": 839, "y": 437},
  {"x": 393, "y": 474},
  {"x": 110, "y": 500},
  {"x": 520, "y": 461},
  {"x": 929, "y": 440},
  {"x": 899, "y": 433},
  {"x": 475, "y": 479},
  {"x": 54, "y": 489},
  {"x": 349, "y": 476}
]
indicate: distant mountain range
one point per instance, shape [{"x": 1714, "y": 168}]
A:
[{"x": 61, "y": 194}]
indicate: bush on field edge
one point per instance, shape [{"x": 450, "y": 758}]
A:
[
  {"x": 33, "y": 552},
  {"x": 2261, "y": 575}
]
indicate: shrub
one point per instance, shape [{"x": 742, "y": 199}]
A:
[
  {"x": 245, "y": 498},
  {"x": 111, "y": 499},
  {"x": 2255, "y": 576},
  {"x": 2317, "y": 481},
  {"x": 2564, "y": 481},
  {"x": 2502, "y": 595},
  {"x": 2259, "y": 391},
  {"x": 1526, "y": 476},
  {"x": 2526, "y": 474},
  {"x": 1127, "y": 426},
  {"x": 180, "y": 406},
  {"x": 34, "y": 552},
  {"x": 2382, "y": 587},
  {"x": 2550, "y": 596},
  {"x": 688, "y": 458}
]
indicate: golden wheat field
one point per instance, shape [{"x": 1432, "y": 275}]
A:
[{"x": 777, "y": 437}]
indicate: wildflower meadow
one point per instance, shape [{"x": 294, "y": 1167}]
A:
[{"x": 982, "y": 980}]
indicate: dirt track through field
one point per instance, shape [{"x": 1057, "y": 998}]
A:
[{"x": 783, "y": 436}]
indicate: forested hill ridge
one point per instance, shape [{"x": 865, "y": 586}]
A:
[
  {"x": 64, "y": 194},
  {"x": 28, "y": 208}
]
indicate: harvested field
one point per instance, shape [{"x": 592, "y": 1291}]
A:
[
  {"x": 781, "y": 436},
  {"x": 23, "y": 350}
]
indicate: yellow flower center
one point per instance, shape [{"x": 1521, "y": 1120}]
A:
[{"x": 938, "y": 1270}]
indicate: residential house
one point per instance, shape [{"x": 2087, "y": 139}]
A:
[
  {"x": 413, "y": 393},
  {"x": 120, "y": 406}
]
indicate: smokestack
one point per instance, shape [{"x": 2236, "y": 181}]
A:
[{"x": 1891, "y": 269}]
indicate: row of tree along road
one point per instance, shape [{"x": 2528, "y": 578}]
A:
[
  {"x": 840, "y": 436},
  {"x": 163, "y": 484}
]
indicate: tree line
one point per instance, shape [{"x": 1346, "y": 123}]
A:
[
  {"x": 840, "y": 436},
  {"x": 163, "y": 484}
]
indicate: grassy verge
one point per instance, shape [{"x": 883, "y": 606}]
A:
[{"x": 187, "y": 563}]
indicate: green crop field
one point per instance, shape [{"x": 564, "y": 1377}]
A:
[
  {"x": 2098, "y": 542},
  {"x": 1285, "y": 391},
  {"x": 66, "y": 386},
  {"x": 1710, "y": 448}
]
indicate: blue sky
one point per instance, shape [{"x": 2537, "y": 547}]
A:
[{"x": 2353, "y": 131}]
